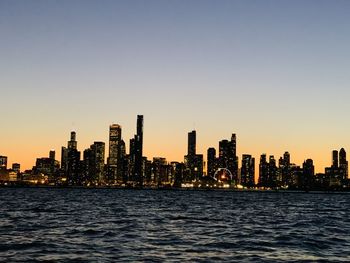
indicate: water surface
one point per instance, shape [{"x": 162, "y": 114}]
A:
[{"x": 108, "y": 225}]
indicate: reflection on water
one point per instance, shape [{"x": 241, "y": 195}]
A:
[{"x": 109, "y": 225}]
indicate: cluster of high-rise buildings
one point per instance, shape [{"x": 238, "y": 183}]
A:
[{"x": 132, "y": 169}]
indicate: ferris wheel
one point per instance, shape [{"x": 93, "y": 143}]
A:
[{"x": 223, "y": 174}]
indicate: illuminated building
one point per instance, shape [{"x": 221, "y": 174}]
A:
[
  {"x": 211, "y": 162},
  {"x": 263, "y": 171},
  {"x": 248, "y": 170},
  {"x": 73, "y": 161},
  {"x": 227, "y": 156},
  {"x": 160, "y": 171},
  {"x": 72, "y": 144},
  {"x": 64, "y": 159},
  {"x": 193, "y": 161},
  {"x": 336, "y": 176},
  {"x": 86, "y": 168},
  {"x": 178, "y": 173},
  {"x": 272, "y": 172},
  {"x": 98, "y": 157},
  {"x": 16, "y": 167},
  {"x": 52, "y": 154},
  {"x": 335, "y": 161},
  {"x": 115, "y": 157},
  {"x": 46, "y": 166},
  {"x": 3, "y": 162},
  {"x": 191, "y": 146},
  {"x": 284, "y": 169},
  {"x": 343, "y": 163},
  {"x": 147, "y": 171},
  {"x": 138, "y": 151}
]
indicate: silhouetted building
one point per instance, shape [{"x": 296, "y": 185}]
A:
[
  {"x": 115, "y": 158},
  {"x": 227, "y": 156},
  {"x": 147, "y": 171},
  {"x": 160, "y": 171},
  {"x": 178, "y": 170},
  {"x": 272, "y": 173},
  {"x": 3, "y": 162},
  {"x": 64, "y": 159},
  {"x": 133, "y": 166},
  {"x": 16, "y": 167},
  {"x": 138, "y": 151},
  {"x": 46, "y": 166},
  {"x": 263, "y": 171},
  {"x": 296, "y": 174},
  {"x": 211, "y": 162},
  {"x": 224, "y": 149},
  {"x": 87, "y": 170},
  {"x": 72, "y": 144},
  {"x": 343, "y": 163},
  {"x": 306, "y": 181},
  {"x": 52, "y": 155},
  {"x": 335, "y": 161},
  {"x": 73, "y": 161},
  {"x": 130, "y": 171},
  {"x": 193, "y": 161},
  {"x": 191, "y": 151},
  {"x": 123, "y": 161},
  {"x": 268, "y": 172},
  {"x": 336, "y": 175},
  {"x": 248, "y": 170},
  {"x": 284, "y": 170},
  {"x": 98, "y": 157},
  {"x": 92, "y": 166}
]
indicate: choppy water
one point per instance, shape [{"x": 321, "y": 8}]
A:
[{"x": 108, "y": 225}]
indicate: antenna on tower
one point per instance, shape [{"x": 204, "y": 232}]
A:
[{"x": 73, "y": 126}]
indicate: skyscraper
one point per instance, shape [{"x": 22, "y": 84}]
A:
[
  {"x": 3, "y": 162},
  {"x": 16, "y": 167},
  {"x": 72, "y": 144},
  {"x": 234, "y": 144},
  {"x": 306, "y": 181},
  {"x": 286, "y": 158},
  {"x": 98, "y": 157},
  {"x": 285, "y": 169},
  {"x": 248, "y": 170},
  {"x": 343, "y": 163},
  {"x": 211, "y": 162},
  {"x": 263, "y": 171},
  {"x": 139, "y": 151},
  {"x": 227, "y": 156},
  {"x": 73, "y": 161},
  {"x": 64, "y": 159},
  {"x": 193, "y": 161},
  {"x": 272, "y": 172},
  {"x": 114, "y": 161},
  {"x": 224, "y": 154},
  {"x": 191, "y": 147},
  {"x": 52, "y": 154},
  {"x": 335, "y": 161}
]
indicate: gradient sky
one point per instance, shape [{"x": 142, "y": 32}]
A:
[{"x": 276, "y": 73}]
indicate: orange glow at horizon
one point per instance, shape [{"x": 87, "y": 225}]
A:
[{"x": 26, "y": 151}]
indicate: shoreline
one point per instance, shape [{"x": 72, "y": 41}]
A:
[{"x": 346, "y": 191}]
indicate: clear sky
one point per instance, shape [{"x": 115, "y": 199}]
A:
[{"x": 276, "y": 73}]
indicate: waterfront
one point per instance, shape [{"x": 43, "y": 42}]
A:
[{"x": 107, "y": 225}]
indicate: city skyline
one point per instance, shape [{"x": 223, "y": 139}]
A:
[
  {"x": 107, "y": 142},
  {"x": 116, "y": 163},
  {"x": 275, "y": 73}
]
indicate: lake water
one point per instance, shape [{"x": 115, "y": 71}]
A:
[{"x": 109, "y": 225}]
